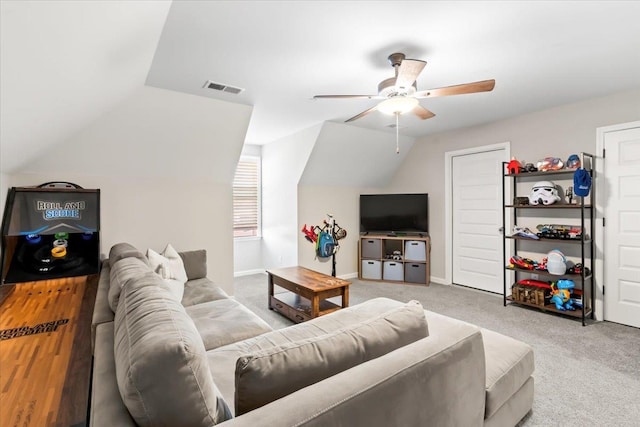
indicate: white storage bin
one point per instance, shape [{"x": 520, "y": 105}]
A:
[
  {"x": 371, "y": 248},
  {"x": 371, "y": 269},
  {"x": 392, "y": 270},
  {"x": 415, "y": 250}
]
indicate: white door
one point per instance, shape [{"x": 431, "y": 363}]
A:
[
  {"x": 476, "y": 192},
  {"x": 622, "y": 227}
]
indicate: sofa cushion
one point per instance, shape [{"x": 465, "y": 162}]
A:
[
  {"x": 222, "y": 360},
  {"x": 225, "y": 321},
  {"x": 161, "y": 364},
  {"x": 509, "y": 364},
  {"x": 195, "y": 263},
  {"x": 202, "y": 290},
  {"x": 267, "y": 375},
  {"x": 125, "y": 250},
  {"x": 125, "y": 269}
]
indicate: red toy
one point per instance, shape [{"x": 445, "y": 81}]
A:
[
  {"x": 520, "y": 262},
  {"x": 309, "y": 233},
  {"x": 536, "y": 283},
  {"x": 514, "y": 167}
]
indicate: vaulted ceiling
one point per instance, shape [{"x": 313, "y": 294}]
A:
[{"x": 65, "y": 64}]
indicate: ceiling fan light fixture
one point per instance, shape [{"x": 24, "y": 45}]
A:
[{"x": 397, "y": 105}]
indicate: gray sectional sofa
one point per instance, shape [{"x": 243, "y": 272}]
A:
[{"x": 207, "y": 360}]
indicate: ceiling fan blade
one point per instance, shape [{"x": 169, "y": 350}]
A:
[
  {"x": 345, "y": 96},
  {"x": 481, "y": 86},
  {"x": 408, "y": 72},
  {"x": 422, "y": 112},
  {"x": 364, "y": 113}
]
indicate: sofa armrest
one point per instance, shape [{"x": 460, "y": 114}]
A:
[
  {"x": 195, "y": 263},
  {"x": 107, "y": 408},
  {"x": 437, "y": 380},
  {"x": 101, "y": 311}
]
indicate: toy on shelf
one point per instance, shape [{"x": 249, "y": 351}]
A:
[
  {"x": 556, "y": 263},
  {"x": 573, "y": 162},
  {"x": 544, "y": 193},
  {"x": 524, "y": 232},
  {"x": 514, "y": 167},
  {"x": 550, "y": 164},
  {"x": 559, "y": 231},
  {"x": 520, "y": 262},
  {"x": 561, "y": 295}
]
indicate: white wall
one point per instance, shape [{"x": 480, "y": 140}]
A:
[
  {"x": 283, "y": 163},
  {"x": 346, "y": 161},
  {"x": 314, "y": 202},
  {"x": 556, "y": 132},
  {"x": 164, "y": 162},
  {"x": 138, "y": 213}
]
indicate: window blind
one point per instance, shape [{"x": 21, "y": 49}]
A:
[{"x": 246, "y": 198}]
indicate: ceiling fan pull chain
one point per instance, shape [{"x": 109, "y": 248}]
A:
[{"x": 397, "y": 133}]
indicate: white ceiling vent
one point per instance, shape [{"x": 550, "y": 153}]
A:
[{"x": 222, "y": 87}]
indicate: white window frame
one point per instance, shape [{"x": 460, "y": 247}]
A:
[{"x": 258, "y": 161}]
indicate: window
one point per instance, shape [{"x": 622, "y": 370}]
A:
[{"x": 246, "y": 198}]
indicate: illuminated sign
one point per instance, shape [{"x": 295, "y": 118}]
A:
[{"x": 57, "y": 210}]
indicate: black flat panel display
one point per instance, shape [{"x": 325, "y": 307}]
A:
[{"x": 390, "y": 213}]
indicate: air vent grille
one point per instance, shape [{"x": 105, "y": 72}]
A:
[
  {"x": 222, "y": 87},
  {"x": 393, "y": 126}
]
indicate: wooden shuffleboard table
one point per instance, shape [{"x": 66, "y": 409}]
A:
[{"x": 45, "y": 351}]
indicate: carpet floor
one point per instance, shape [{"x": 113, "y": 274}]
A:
[{"x": 585, "y": 376}]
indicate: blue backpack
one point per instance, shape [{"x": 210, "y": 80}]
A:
[{"x": 326, "y": 245}]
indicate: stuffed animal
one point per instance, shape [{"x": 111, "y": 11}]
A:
[
  {"x": 561, "y": 295},
  {"x": 397, "y": 255}
]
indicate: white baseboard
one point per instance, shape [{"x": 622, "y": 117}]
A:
[
  {"x": 249, "y": 272},
  {"x": 438, "y": 280},
  {"x": 348, "y": 276}
]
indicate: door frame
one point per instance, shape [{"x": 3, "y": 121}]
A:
[
  {"x": 600, "y": 188},
  {"x": 448, "y": 198}
]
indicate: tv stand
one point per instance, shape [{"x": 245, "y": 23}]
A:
[{"x": 376, "y": 258}]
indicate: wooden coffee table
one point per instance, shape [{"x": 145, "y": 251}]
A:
[{"x": 308, "y": 293}]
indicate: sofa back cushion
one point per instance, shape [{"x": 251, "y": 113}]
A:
[
  {"x": 161, "y": 364},
  {"x": 269, "y": 374},
  {"x": 125, "y": 250},
  {"x": 195, "y": 263},
  {"x": 122, "y": 272}
]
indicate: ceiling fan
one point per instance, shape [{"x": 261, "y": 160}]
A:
[{"x": 401, "y": 95}]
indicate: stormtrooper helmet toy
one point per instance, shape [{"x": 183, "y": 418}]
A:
[{"x": 544, "y": 193}]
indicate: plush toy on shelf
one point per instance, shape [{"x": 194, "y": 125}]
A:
[{"x": 561, "y": 295}]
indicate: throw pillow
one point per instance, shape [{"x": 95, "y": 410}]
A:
[
  {"x": 170, "y": 267},
  {"x": 269, "y": 374},
  {"x": 168, "y": 264}
]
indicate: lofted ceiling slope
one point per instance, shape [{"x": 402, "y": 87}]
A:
[
  {"x": 350, "y": 156},
  {"x": 66, "y": 63}
]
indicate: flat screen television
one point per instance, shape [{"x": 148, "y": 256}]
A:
[{"x": 394, "y": 213}]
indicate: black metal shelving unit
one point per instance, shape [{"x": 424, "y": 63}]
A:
[{"x": 586, "y": 210}]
